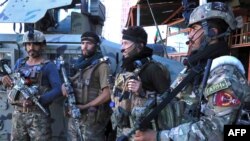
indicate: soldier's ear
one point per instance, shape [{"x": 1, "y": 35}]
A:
[
  {"x": 139, "y": 46},
  {"x": 212, "y": 32}
]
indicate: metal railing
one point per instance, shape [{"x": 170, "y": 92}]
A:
[{"x": 241, "y": 37}]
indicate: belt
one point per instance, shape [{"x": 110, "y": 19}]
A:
[{"x": 27, "y": 109}]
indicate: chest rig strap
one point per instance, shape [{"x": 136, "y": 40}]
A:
[
  {"x": 34, "y": 75},
  {"x": 87, "y": 80},
  {"x": 121, "y": 92}
]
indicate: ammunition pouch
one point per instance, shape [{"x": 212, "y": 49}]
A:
[
  {"x": 103, "y": 114},
  {"x": 100, "y": 114},
  {"x": 190, "y": 112},
  {"x": 120, "y": 118},
  {"x": 173, "y": 114},
  {"x": 91, "y": 116}
]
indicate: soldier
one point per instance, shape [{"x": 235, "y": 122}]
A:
[
  {"x": 29, "y": 122},
  {"x": 226, "y": 91},
  {"x": 140, "y": 79},
  {"x": 92, "y": 91}
]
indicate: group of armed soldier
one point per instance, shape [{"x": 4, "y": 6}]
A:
[{"x": 214, "y": 94}]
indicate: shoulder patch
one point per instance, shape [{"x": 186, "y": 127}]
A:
[{"x": 217, "y": 87}]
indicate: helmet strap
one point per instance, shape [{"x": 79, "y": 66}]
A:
[
  {"x": 206, "y": 35},
  {"x": 209, "y": 33},
  {"x": 224, "y": 34}
]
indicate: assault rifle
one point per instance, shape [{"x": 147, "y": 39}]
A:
[
  {"x": 71, "y": 100},
  {"x": 138, "y": 66},
  {"x": 166, "y": 98},
  {"x": 21, "y": 85}
]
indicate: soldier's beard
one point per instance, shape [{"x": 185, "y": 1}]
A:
[
  {"x": 34, "y": 53},
  {"x": 128, "y": 63},
  {"x": 89, "y": 53}
]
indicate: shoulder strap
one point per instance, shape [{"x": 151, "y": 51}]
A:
[
  {"x": 92, "y": 68},
  {"x": 146, "y": 62},
  {"x": 95, "y": 65}
]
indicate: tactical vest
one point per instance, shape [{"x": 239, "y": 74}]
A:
[
  {"x": 128, "y": 106},
  {"x": 121, "y": 95},
  {"x": 33, "y": 74},
  {"x": 81, "y": 82},
  {"x": 180, "y": 110},
  {"x": 84, "y": 92}
]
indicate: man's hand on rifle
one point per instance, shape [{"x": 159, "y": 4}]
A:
[
  {"x": 64, "y": 91},
  {"x": 148, "y": 135},
  {"x": 134, "y": 85},
  {"x": 7, "y": 82}
]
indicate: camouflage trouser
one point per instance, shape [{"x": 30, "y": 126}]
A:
[
  {"x": 123, "y": 131},
  {"x": 90, "y": 131},
  {"x": 32, "y": 126}
]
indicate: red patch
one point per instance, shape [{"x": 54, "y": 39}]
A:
[
  {"x": 27, "y": 81},
  {"x": 225, "y": 99}
]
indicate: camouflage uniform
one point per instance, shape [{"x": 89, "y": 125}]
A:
[
  {"x": 131, "y": 107},
  {"x": 146, "y": 78},
  {"x": 35, "y": 124},
  {"x": 30, "y": 122},
  {"x": 94, "y": 119},
  {"x": 225, "y": 94},
  {"x": 5, "y": 118}
]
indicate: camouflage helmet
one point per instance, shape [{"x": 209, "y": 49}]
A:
[
  {"x": 213, "y": 10},
  {"x": 34, "y": 36}
]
